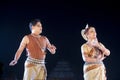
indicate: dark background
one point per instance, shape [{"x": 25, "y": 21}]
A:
[{"x": 62, "y": 23}]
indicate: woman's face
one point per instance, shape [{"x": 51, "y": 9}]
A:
[{"x": 91, "y": 34}]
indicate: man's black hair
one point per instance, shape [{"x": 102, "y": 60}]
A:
[{"x": 33, "y": 23}]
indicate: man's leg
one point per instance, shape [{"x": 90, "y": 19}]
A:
[
  {"x": 42, "y": 73},
  {"x": 29, "y": 72}
]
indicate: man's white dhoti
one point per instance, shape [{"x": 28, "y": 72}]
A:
[{"x": 34, "y": 70}]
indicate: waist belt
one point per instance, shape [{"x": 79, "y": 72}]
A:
[
  {"x": 91, "y": 68},
  {"x": 35, "y": 61}
]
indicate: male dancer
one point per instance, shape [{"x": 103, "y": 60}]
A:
[{"x": 36, "y": 46}]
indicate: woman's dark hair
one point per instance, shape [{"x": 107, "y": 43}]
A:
[{"x": 33, "y": 23}]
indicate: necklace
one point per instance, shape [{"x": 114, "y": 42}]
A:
[{"x": 37, "y": 36}]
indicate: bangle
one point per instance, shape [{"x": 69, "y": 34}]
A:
[{"x": 15, "y": 60}]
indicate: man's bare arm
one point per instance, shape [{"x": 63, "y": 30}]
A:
[
  {"x": 50, "y": 47},
  {"x": 23, "y": 43}
]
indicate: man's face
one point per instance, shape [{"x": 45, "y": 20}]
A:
[{"x": 37, "y": 28}]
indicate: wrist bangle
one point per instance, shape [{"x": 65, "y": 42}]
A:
[{"x": 15, "y": 60}]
